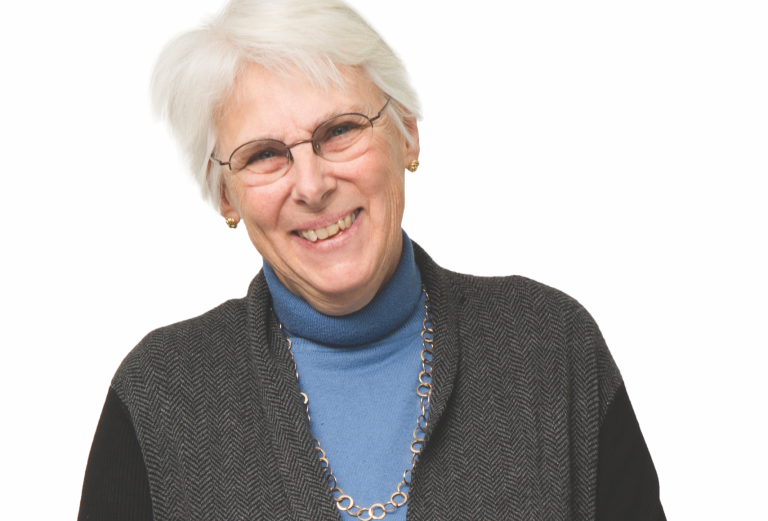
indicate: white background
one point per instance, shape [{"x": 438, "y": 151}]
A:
[{"x": 614, "y": 150}]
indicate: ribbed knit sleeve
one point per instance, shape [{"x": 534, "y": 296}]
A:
[
  {"x": 627, "y": 484},
  {"x": 116, "y": 487}
]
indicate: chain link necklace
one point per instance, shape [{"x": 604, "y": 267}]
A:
[{"x": 344, "y": 502}]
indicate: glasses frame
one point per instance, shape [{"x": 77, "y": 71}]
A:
[{"x": 288, "y": 154}]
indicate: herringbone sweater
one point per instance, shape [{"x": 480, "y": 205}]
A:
[{"x": 522, "y": 384}]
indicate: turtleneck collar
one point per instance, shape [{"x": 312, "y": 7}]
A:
[{"x": 389, "y": 309}]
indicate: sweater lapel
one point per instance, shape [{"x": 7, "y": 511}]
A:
[
  {"x": 445, "y": 298},
  {"x": 300, "y": 480}
]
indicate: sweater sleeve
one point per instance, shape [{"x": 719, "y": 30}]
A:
[
  {"x": 116, "y": 485},
  {"x": 627, "y": 484}
]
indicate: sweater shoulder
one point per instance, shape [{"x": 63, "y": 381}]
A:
[
  {"x": 522, "y": 300},
  {"x": 187, "y": 341},
  {"x": 513, "y": 287},
  {"x": 534, "y": 309}
]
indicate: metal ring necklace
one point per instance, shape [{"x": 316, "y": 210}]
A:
[{"x": 344, "y": 502}]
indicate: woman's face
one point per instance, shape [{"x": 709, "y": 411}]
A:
[{"x": 339, "y": 274}]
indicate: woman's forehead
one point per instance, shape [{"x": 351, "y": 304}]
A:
[
  {"x": 264, "y": 94},
  {"x": 268, "y": 104}
]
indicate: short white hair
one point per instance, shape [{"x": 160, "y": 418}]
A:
[{"x": 195, "y": 73}]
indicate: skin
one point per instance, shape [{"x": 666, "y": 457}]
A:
[{"x": 343, "y": 273}]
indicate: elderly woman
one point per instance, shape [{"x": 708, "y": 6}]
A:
[{"x": 446, "y": 395}]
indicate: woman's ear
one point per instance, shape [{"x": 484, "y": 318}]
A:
[
  {"x": 411, "y": 146},
  {"x": 226, "y": 206}
]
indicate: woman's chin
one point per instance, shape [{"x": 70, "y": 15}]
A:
[
  {"x": 341, "y": 284},
  {"x": 344, "y": 271}
]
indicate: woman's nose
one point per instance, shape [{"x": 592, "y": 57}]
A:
[{"x": 312, "y": 181}]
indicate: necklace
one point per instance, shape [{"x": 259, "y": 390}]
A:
[{"x": 344, "y": 502}]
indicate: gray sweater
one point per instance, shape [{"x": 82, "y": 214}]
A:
[{"x": 523, "y": 383}]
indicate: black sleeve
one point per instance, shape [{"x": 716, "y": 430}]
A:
[
  {"x": 116, "y": 486},
  {"x": 627, "y": 484}
]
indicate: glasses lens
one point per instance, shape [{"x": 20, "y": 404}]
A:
[
  {"x": 343, "y": 138},
  {"x": 261, "y": 159}
]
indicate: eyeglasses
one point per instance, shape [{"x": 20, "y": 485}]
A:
[{"x": 340, "y": 139}]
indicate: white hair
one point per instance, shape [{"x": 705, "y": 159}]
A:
[{"x": 195, "y": 73}]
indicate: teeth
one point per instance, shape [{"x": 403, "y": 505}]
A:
[{"x": 331, "y": 229}]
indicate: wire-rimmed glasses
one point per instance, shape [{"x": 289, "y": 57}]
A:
[{"x": 340, "y": 139}]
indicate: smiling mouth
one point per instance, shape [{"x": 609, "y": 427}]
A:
[{"x": 326, "y": 232}]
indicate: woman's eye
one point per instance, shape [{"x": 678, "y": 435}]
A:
[
  {"x": 340, "y": 130},
  {"x": 262, "y": 155}
]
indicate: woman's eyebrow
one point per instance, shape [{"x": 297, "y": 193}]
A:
[{"x": 355, "y": 108}]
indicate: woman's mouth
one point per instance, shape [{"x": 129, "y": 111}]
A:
[{"x": 325, "y": 232}]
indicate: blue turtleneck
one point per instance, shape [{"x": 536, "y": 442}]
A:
[{"x": 360, "y": 372}]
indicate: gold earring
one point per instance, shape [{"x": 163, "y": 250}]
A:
[
  {"x": 231, "y": 222},
  {"x": 413, "y": 166}
]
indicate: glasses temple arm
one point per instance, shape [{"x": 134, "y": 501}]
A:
[
  {"x": 221, "y": 163},
  {"x": 382, "y": 110}
]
